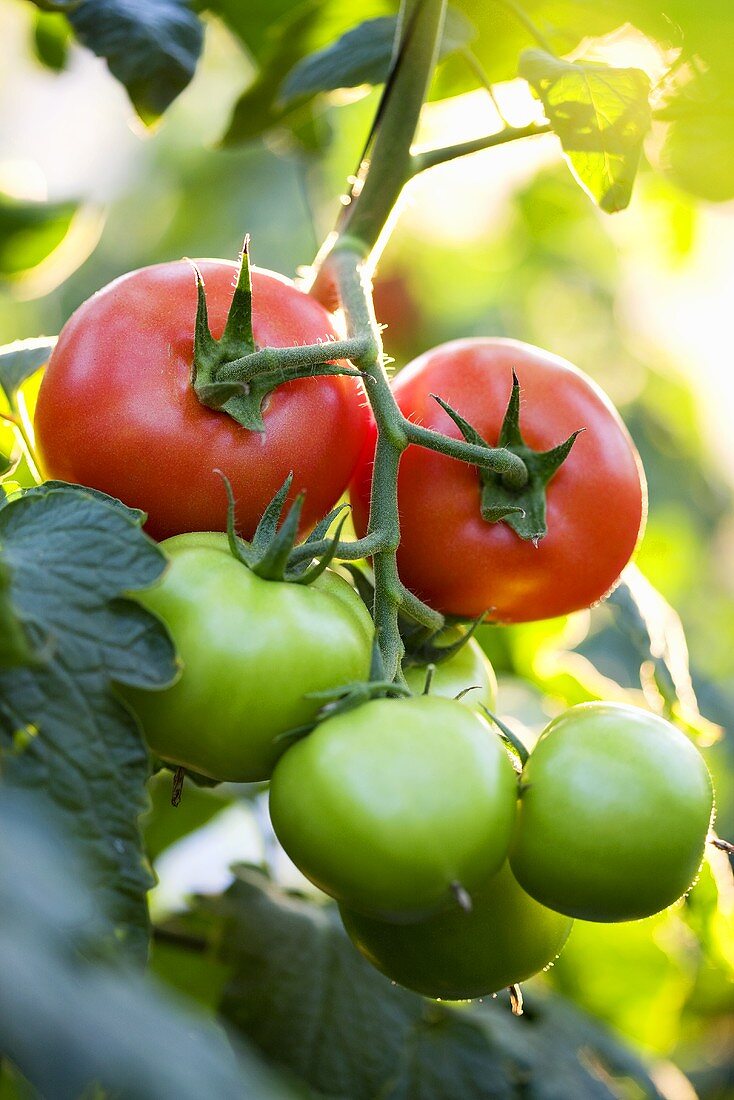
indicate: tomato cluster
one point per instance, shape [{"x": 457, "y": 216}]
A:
[{"x": 457, "y": 871}]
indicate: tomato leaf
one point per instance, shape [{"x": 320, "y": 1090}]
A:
[
  {"x": 302, "y": 30},
  {"x": 656, "y": 634},
  {"x": 51, "y": 34},
  {"x": 71, "y": 556},
  {"x": 20, "y": 360},
  {"x": 601, "y": 115},
  {"x": 75, "y": 1026},
  {"x": 363, "y": 56},
  {"x": 30, "y": 231},
  {"x": 310, "y": 1002},
  {"x": 150, "y": 46}
]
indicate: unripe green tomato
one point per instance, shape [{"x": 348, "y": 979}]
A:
[
  {"x": 615, "y": 809},
  {"x": 252, "y": 649},
  {"x": 469, "y": 668},
  {"x": 387, "y": 805},
  {"x": 455, "y": 955}
]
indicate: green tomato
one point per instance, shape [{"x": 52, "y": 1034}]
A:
[
  {"x": 615, "y": 808},
  {"x": 469, "y": 668},
  {"x": 455, "y": 955},
  {"x": 251, "y": 649},
  {"x": 391, "y": 804}
]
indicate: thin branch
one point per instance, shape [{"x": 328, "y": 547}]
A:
[{"x": 429, "y": 158}]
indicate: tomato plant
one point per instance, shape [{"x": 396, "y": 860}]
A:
[
  {"x": 192, "y": 401},
  {"x": 615, "y": 809},
  {"x": 595, "y": 501},
  {"x": 223, "y": 716},
  {"x": 455, "y": 955},
  {"x": 389, "y": 806},
  {"x": 117, "y": 410}
]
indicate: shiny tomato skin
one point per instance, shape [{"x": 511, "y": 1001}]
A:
[
  {"x": 117, "y": 411},
  {"x": 459, "y": 563},
  {"x": 252, "y": 651},
  {"x": 615, "y": 809},
  {"x": 457, "y": 956},
  {"x": 386, "y": 805}
]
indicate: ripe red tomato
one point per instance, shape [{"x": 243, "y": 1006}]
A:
[
  {"x": 117, "y": 412},
  {"x": 463, "y": 565}
]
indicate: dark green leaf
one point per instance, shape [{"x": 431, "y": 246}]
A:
[
  {"x": 51, "y": 34},
  {"x": 14, "y": 646},
  {"x": 74, "y": 1028},
  {"x": 150, "y": 46},
  {"x": 601, "y": 115},
  {"x": 302, "y": 30},
  {"x": 72, "y": 556},
  {"x": 305, "y": 997},
  {"x": 363, "y": 56},
  {"x": 30, "y": 231},
  {"x": 20, "y": 360}
]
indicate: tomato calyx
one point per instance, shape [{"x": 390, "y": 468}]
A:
[
  {"x": 348, "y": 696},
  {"x": 524, "y": 509},
  {"x": 511, "y": 740},
  {"x": 236, "y": 341},
  {"x": 270, "y": 552},
  {"x": 232, "y": 375}
]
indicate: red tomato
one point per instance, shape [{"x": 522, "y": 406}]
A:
[
  {"x": 458, "y": 562},
  {"x": 117, "y": 411}
]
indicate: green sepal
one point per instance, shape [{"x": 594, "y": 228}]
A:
[
  {"x": 269, "y": 554},
  {"x": 511, "y": 739},
  {"x": 524, "y": 510},
  {"x": 238, "y": 400},
  {"x": 344, "y": 698}
]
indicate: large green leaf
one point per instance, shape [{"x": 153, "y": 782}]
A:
[
  {"x": 305, "y": 997},
  {"x": 75, "y": 1028},
  {"x": 150, "y": 46},
  {"x": 72, "y": 555},
  {"x": 362, "y": 56},
  {"x": 600, "y": 113},
  {"x": 30, "y": 231}
]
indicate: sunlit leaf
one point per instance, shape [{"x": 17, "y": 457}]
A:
[
  {"x": 21, "y": 359},
  {"x": 30, "y": 231},
  {"x": 601, "y": 115},
  {"x": 657, "y": 634}
]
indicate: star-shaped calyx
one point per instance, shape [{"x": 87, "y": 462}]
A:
[
  {"x": 218, "y": 375},
  {"x": 523, "y": 509}
]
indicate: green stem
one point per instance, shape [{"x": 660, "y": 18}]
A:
[
  {"x": 498, "y": 459},
  {"x": 22, "y": 431},
  {"x": 267, "y": 360},
  {"x": 389, "y": 166},
  {"x": 429, "y": 158}
]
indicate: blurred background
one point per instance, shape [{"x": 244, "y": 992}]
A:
[{"x": 499, "y": 243}]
